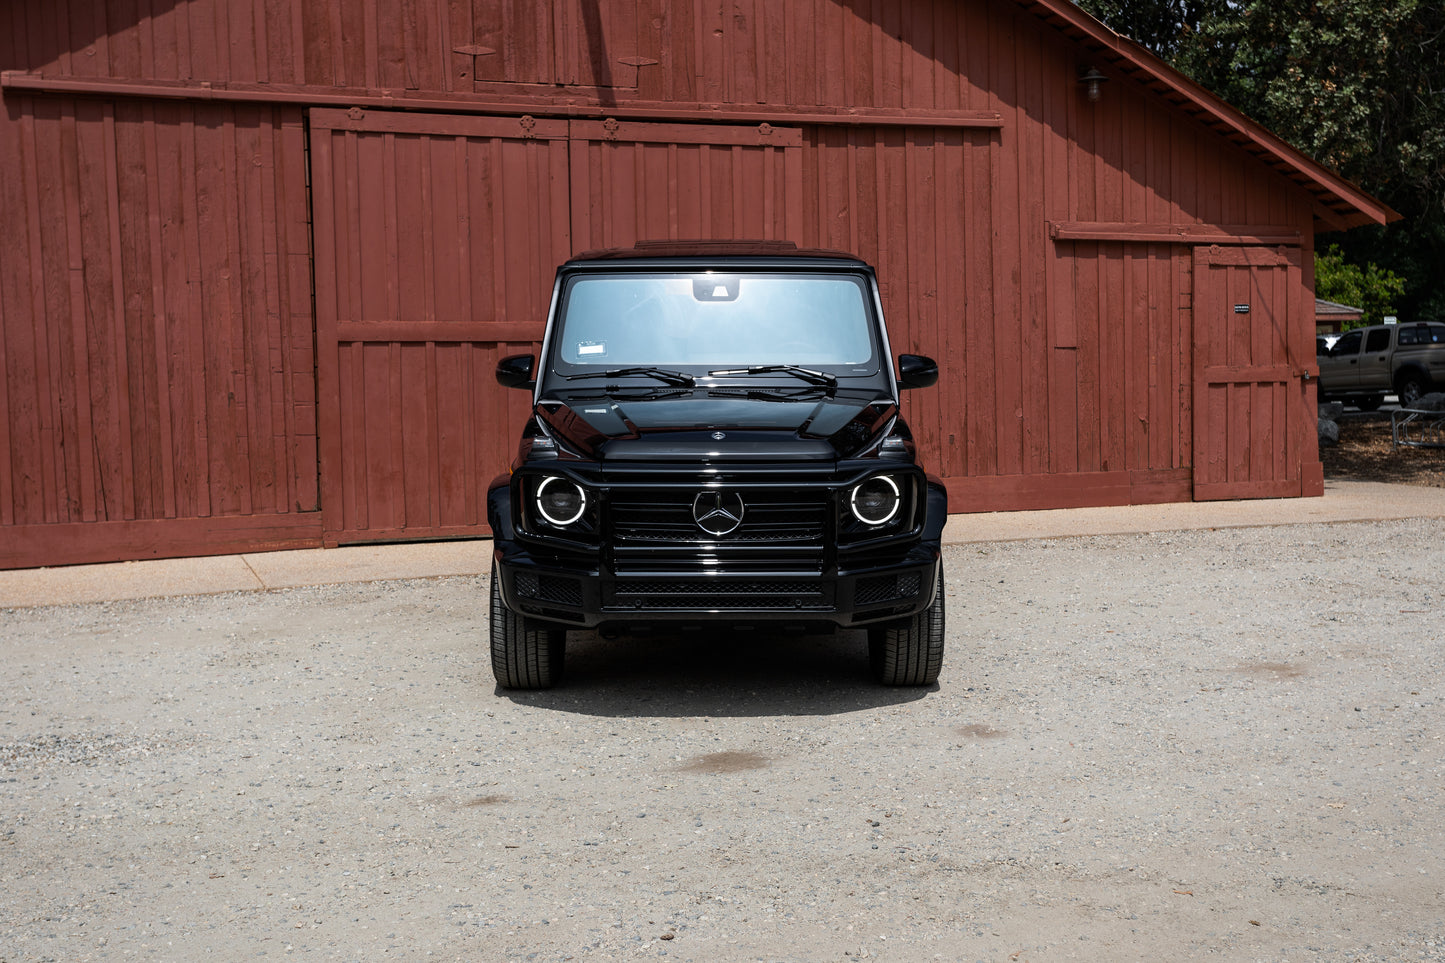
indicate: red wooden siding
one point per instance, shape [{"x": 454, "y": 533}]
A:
[
  {"x": 155, "y": 310},
  {"x": 161, "y": 394},
  {"x": 634, "y": 182},
  {"x": 436, "y": 238},
  {"x": 1067, "y": 346},
  {"x": 813, "y": 52}
]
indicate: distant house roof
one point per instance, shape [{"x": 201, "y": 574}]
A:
[
  {"x": 1326, "y": 309},
  {"x": 1338, "y": 203}
]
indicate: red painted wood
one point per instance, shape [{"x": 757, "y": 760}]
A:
[
  {"x": 633, "y": 182},
  {"x": 1077, "y": 490},
  {"x": 77, "y": 543},
  {"x": 405, "y": 353},
  {"x": 1249, "y": 394},
  {"x": 1039, "y": 245},
  {"x": 148, "y": 320}
]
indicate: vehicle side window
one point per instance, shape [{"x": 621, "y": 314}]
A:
[
  {"x": 1378, "y": 340},
  {"x": 1348, "y": 345}
]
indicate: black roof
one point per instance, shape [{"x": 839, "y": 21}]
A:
[{"x": 710, "y": 249}]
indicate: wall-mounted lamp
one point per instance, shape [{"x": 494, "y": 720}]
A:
[{"x": 1092, "y": 81}]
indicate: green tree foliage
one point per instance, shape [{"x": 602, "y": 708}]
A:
[
  {"x": 1359, "y": 85},
  {"x": 1164, "y": 26},
  {"x": 1375, "y": 289}
]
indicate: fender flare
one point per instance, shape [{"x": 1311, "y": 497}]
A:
[
  {"x": 1411, "y": 369},
  {"x": 936, "y": 514},
  {"x": 499, "y": 508}
]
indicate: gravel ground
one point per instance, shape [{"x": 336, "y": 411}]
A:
[{"x": 1214, "y": 744}]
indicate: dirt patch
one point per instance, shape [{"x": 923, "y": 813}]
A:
[
  {"x": 981, "y": 732},
  {"x": 1366, "y": 452},
  {"x": 1272, "y": 670},
  {"x": 726, "y": 762}
]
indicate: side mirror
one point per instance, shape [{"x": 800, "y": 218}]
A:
[
  {"x": 916, "y": 371},
  {"x": 515, "y": 371}
]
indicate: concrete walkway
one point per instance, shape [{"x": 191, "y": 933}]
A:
[{"x": 1342, "y": 502}]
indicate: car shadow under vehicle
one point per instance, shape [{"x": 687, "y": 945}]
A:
[{"x": 721, "y": 672}]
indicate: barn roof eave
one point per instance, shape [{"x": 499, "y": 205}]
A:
[{"x": 1339, "y": 205}]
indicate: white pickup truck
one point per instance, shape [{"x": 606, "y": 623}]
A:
[{"x": 1366, "y": 364}]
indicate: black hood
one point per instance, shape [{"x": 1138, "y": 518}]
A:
[{"x": 720, "y": 425}]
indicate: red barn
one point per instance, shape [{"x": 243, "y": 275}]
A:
[{"x": 261, "y": 256}]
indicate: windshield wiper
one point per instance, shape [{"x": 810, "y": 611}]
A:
[
  {"x": 767, "y": 394},
  {"x": 680, "y": 378},
  {"x": 802, "y": 374},
  {"x": 624, "y": 392}
]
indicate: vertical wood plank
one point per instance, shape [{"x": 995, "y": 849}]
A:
[
  {"x": 121, "y": 394},
  {"x": 18, "y": 446},
  {"x": 1005, "y": 191},
  {"x": 982, "y": 360},
  {"x": 79, "y": 425}
]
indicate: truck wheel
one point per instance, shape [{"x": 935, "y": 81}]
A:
[
  {"x": 910, "y": 651},
  {"x": 523, "y": 656},
  {"x": 1411, "y": 387}
]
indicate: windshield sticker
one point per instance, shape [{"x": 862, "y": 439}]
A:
[{"x": 596, "y": 349}]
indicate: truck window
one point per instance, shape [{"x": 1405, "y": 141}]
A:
[
  {"x": 1348, "y": 345},
  {"x": 1378, "y": 340}
]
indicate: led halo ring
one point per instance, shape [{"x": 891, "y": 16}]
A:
[
  {"x": 897, "y": 500},
  {"x": 581, "y": 500}
]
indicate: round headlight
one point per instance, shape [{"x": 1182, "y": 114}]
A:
[
  {"x": 876, "y": 500},
  {"x": 560, "y": 501}
]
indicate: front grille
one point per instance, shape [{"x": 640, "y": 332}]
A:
[
  {"x": 771, "y": 517},
  {"x": 705, "y": 594},
  {"x": 782, "y": 530}
]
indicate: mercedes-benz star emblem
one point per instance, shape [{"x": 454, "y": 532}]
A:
[{"x": 717, "y": 513}]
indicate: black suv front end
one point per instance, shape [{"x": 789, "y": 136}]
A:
[{"x": 725, "y": 478}]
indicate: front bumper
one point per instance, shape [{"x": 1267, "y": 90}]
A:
[{"x": 572, "y": 594}]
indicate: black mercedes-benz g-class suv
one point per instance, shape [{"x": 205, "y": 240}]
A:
[{"x": 715, "y": 438}]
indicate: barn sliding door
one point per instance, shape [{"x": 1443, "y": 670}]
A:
[
  {"x": 1250, "y": 412},
  {"x": 436, "y": 241}
]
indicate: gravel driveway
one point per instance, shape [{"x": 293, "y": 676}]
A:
[{"x": 1221, "y": 744}]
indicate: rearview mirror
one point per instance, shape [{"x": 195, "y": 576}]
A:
[
  {"x": 916, "y": 371},
  {"x": 515, "y": 371}
]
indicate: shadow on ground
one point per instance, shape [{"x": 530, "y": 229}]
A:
[{"x": 719, "y": 673}]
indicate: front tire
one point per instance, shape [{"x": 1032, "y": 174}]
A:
[
  {"x": 910, "y": 651},
  {"x": 523, "y": 655}
]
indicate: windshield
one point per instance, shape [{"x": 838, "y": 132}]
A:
[{"x": 716, "y": 321}]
